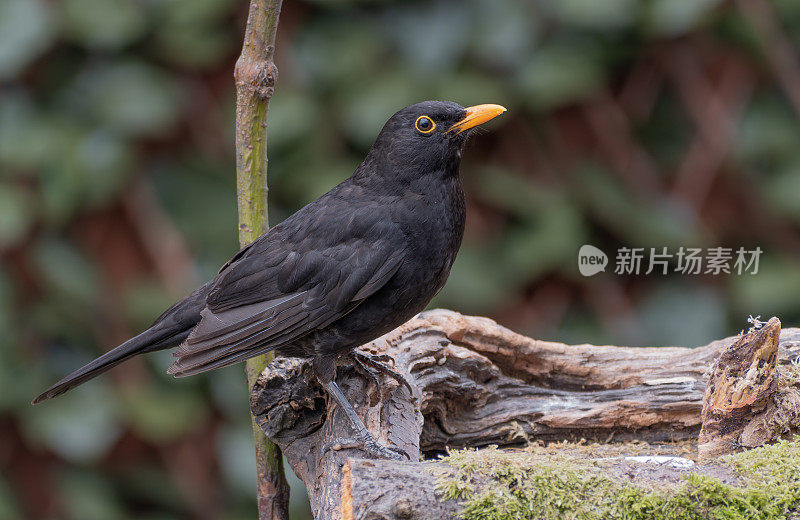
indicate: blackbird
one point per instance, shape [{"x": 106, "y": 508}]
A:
[{"x": 354, "y": 264}]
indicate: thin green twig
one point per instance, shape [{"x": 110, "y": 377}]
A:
[{"x": 255, "y": 79}]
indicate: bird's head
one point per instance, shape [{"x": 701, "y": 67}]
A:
[{"x": 428, "y": 137}]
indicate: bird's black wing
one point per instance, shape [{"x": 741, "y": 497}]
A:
[{"x": 301, "y": 277}]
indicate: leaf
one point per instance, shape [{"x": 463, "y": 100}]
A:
[
  {"x": 682, "y": 314},
  {"x": 559, "y": 73},
  {"x": 770, "y": 292},
  {"x": 163, "y": 414},
  {"x": 89, "y": 496},
  {"x": 235, "y": 455},
  {"x": 431, "y": 36},
  {"x": 131, "y": 98},
  {"x": 606, "y": 15},
  {"x": 90, "y": 171},
  {"x": 208, "y": 231},
  {"x": 197, "y": 47},
  {"x": 504, "y": 35},
  {"x": 474, "y": 285},
  {"x": 194, "y": 33},
  {"x": 769, "y": 134},
  {"x": 781, "y": 190},
  {"x": 547, "y": 243},
  {"x": 335, "y": 54},
  {"x": 471, "y": 88},
  {"x": 80, "y": 427},
  {"x": 8, "y": 503},
  {"x": 26, "y": 31},
  {"x": 675, "y": 17},
  {"x": 65, "y": 270},
  {"x": 193, "y": 12},
  {"x": 292, "y": 117},
  {"x": 640, "y": 222},
  {"x": 28, "y": 140},
  {"x": 367, "y": 107},
  {"x": 103, "y": 24},
  {"x": 17, "y": 212}
]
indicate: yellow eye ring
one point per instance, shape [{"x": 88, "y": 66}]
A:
[{"x": 424, "y": 125}]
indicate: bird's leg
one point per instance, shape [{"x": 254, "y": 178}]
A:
[
  {"x": 363, "y": 439},
  {"x": 371, "y": 363}
]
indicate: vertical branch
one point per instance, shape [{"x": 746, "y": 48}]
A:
[{"x": 255, "y": 77}]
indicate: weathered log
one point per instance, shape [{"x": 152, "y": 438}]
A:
[
  {"x": 296, "y": 418},
  {"x": 629, "y": 480},
  {"x": 749, "y": 401},
  {"x": 477, "y": 383}
]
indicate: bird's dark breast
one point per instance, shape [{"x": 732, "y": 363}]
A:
[{"x": 433, "y": 225}]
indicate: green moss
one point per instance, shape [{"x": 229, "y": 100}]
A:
[{"x": 540, "y": 483}]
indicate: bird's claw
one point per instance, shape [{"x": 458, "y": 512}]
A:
[
  {"x": 370, "y": 446},
  {"x": 371, "y": 364},
  {"x": 369, "y": 373}
]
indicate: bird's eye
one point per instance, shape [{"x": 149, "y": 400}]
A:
[{"x": 424, "y": 125}]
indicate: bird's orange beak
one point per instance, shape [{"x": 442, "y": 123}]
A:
[{"x": 477, "y": 115}]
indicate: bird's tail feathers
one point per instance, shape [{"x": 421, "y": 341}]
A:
[
  {"x": 157, "y": 337},
  {"x": 169, "y": 330}
]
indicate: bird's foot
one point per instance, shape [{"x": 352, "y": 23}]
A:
[
  {"x": 370, "y": 446},
  {"x": 371, "y": 365},
  {"x": 366, "y": 371},
  {"x": 363, "y": 438}
]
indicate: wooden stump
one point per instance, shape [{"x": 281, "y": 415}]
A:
[
  {"x": 749, "y": 401},
  {"x": 477, "y": 384}
]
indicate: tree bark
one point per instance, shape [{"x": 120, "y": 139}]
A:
[
  {"x": 255, "y": 77},
  {"x": 749, "y": 400},
  {"x": 476, "y": 383}
]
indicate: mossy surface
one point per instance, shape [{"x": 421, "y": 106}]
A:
[{"x": 543, "y": 483}]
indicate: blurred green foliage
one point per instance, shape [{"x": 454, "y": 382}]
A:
[{"x": 114, "y": 110}]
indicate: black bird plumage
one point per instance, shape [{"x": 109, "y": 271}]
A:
[{"x": 350, "y": 266}]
